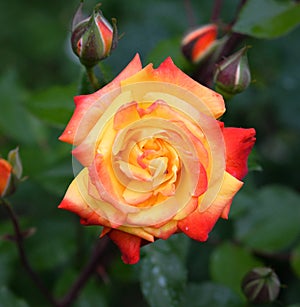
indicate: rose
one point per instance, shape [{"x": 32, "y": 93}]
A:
[{"x": 156, "y": 161}]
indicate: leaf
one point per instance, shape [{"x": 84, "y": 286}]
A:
[
  {"x": 229, "y": 264},
  {"x": 15, "y": 121},
  {"x": 295, "y": 260},
  {"x": 8, "y": 299},
  {"x": 53, "y": 105},
  {"x": 271, "y": 221},
  {"x": 56, "y": 179},
  {"x": 163, "y": 273},
  {"x": 268, "y": 18},
  {"x": 211, "y": 294}
]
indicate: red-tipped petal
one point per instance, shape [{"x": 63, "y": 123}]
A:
[
  {"x": 238, "y": 142},
  {"x": 168, "y": 72},
  {"x": 199, "y": 224},
  {"x": 5, "y": 173},
  {"x": 84, "y": 102},
  {"x": 128, "y": 244}
]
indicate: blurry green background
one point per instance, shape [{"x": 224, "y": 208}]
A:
[{"x": 39, "y": 76}]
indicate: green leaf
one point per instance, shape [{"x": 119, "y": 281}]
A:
[
  {"x": 53, "y": 105},
  {"x": 56, "y": 179},
  {"x": 271, "y": 221},
  {"x": 229, "y": 264},
  {"x": 163, "y": 273},
  {"x": 211, "y": 294},
  {"x": 295, "y": 260},
  {"x": 8, "y": 299},
  {"x": 15, "y": 121},
  {"x": 268, "y": 18}
]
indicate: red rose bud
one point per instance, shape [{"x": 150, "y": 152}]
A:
[
  {"x": 10, "y": 173},
  {"x": 5, "y": 177},
  {"x": 261, "y": 285},
  {"x": 197, "y": 44},
  {"x": 93, "y": 38},
  {"x": 232, "y": 75}
]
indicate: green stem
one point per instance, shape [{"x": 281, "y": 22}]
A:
[
  {"x": 92, "y": 78},
  {"x": 23, "y": 257}
]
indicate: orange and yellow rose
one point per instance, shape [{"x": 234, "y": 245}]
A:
[{"x": 156, "y": 161}]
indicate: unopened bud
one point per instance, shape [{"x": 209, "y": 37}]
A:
[
  {"x": 10, "y": 173},
  {"x": 261, "y": 285},
  {"x": 93, "y": 38},
  {"x": 232, "y": 75},
  {"x": 199, "y": 43}
]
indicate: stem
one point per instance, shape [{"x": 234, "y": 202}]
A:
[
  {"x": 216, "y": 10},
  {"x": 92, "y": 78},
  {"x": 190, "y": 13},
  {"x": 85, "y": 274},
  {"x": 240, "y": 6},
  {"x": 22, "y": 254}
]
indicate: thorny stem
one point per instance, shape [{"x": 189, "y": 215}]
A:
[{"x": 24, "y": 260}]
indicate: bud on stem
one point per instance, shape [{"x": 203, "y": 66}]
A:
[
  {"x": 261, "y": 285},
  {"x": 93, "y": 38},
  {"x": 232, "y": 75}
]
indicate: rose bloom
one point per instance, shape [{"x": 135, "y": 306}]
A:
[{"x": 156, "y": 161}]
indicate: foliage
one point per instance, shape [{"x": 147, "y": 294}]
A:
[{"x": 39, "y": 77}]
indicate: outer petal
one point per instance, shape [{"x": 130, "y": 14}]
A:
[
  {"x": 74, "y": 202},
  {"x": 84, "y": 102},
  {"x": 199, "y": 224},
  {"x": 238, "y": 142},
  {"x": 170, "y": 73},
  {"x": 163, "y": 232},
  {"x": 128, "y": 244}
]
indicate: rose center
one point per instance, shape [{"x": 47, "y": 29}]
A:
[{"x": 151, "y": 171}]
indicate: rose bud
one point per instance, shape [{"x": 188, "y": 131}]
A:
[
  {"x": 5, "y": 177},
  {"x": 197, "y": 44},
  {"x": 93, "y": 38},
  {"x": 232, "y": 75},
  {"x": 10, "y": 173},
  {"x": 261, "y": 285}
]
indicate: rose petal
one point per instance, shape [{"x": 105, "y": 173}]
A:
[
  {"x": 238, "y": 142},
  {"x": 163, "y": 232},
  {"x": 198, "y": 224},
  {"x": 74, "y": 202},
  {"x": 84, "y": 102},
  {"x": 168, "y": 72},
  {"x": 128, "y": 244},
  {"x": 82, "y": 200}
]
